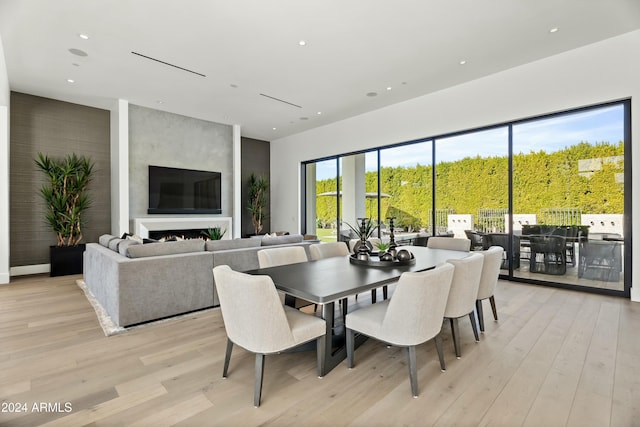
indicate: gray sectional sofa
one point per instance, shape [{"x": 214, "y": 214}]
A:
[{"x": 137, "y": 283}]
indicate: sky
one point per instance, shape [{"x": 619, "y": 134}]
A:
[{"x": 596, "y": 125}]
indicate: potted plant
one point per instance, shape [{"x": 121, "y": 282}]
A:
[
  {"x": 214, "y": 233},
  {"x": 258, "y": 187},
  {"x": 66, "y": 198}
]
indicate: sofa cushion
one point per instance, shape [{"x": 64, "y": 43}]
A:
[
  {"x": 221, "y": 245},
  {"x": 114, "y": 243},
  {"x": 122, "y": 247},
  {"x": 281, "y": 240},
  {"x": 165, "y": 248},
  {"x": 105, "y": 239}
]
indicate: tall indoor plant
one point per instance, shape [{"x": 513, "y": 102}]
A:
[
  {"x": 66, "y": 198},
  {"x": 258, "y": 187}
]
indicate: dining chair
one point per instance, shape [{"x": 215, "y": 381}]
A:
[
  {"x": 463, "y": 294},
  {"x": 420, "y": 241},
  {"x": 502, "y": 240},
  {"x": 411, "y": 317},
  {"x": 488, "y": 281},
  {"x": 451, "y": 243},
  {"x": 548, "y": 254},
  {"x": 255, "y": 319},
  {"x": 476, "y": 238},
  {"x": 274, "y": 257},
  {"x": 329, "y": 250}
]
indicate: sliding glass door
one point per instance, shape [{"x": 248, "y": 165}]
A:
[
  {"x": 568, "y": 197},
  {"x": 553, "y": 191}
]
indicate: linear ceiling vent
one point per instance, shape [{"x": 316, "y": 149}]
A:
[
  {"x": 280, "y": 100},
  {"x": 169, "y": 64}
]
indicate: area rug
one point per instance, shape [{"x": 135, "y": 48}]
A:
[
  {"x": 108, "y": 327},
  {"x": 107, "y": 324}
]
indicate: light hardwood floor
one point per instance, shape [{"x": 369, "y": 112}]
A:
[{"x": 555, "y": 358}]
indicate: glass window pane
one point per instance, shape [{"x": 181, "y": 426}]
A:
[
  {"x": 321, "y": 203},
  {"x": 406, "y": 189},
  {"x": 472, "y": 193},
  {"x": 568, "y": 180}
]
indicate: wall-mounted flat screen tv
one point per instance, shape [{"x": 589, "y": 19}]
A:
[{"x": 184, "y": 191}]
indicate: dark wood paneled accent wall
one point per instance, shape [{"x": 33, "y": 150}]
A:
[
  {"x": 255, "y": 158},
  {"x": 54, "y": 128}
]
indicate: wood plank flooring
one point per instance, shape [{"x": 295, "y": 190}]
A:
[{"x": 555, "y": 358}]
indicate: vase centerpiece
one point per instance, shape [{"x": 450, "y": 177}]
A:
[{"x": 363, "y": 247}]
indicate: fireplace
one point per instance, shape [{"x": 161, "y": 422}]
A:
[
  {"x": 193, "y": 233},
  {"x": 177, "y": 226}
]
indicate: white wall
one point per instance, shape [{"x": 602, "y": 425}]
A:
[
  {"x": 4, "y": 169},
  {"x": 593, "y": 74}
]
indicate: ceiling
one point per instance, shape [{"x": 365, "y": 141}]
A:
[{"x": 241, "y": 62}]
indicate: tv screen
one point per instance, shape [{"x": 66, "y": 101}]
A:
[{"x": 184, "y": 191}]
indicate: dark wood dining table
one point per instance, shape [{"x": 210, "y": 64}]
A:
[{"x": 328, "y": 280}]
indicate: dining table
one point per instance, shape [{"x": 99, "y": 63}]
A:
[{"x": 328, "y": 280}]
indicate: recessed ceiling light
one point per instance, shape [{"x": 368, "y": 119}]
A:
[
  {"x": 389, "y": 87},
  {"x": 319, "y": 112},
  {"x": 463, "y": 62},
  {"x": 78, "y": 52},
  {"x": 275, "y": 128},
  {"x": 302, "y": 43},
  {"x": 160, "y": 102},
  {"x": 372, "y": 94},
  {"x": 83, "y": 36},
  {"x": 70, "y": 81},
  {"x": 553, "y": 30}
]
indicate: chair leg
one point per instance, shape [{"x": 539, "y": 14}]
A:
[
  {"x": 385, "y": 292},
  {"x": 492, "y": 300},
  {"x": 321, "y": 343},
  {"x": 227, "y": 358},
  {"x": 480, "y": 314},
  {"x": 413, "y": 371},
  {"x": 257, "y": 392},
  {"x": 456, "y": 336},
  {"x": 374, "y": 293},
  {"x": 438, "y": 341},
  {"x": 472, "y": 317},
  {"x": 350, "y": 344}
]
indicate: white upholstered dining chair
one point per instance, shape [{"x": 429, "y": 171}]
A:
[
  {"x": 274, "y": 257},
  {"x": 463, "y": 294},
  {"x": 255, "y": 319},
  {"x": 488, "y": 281},
  {"x": 451, "y": 243},
  {"x": 328, "y": 249},
  {"x": 411, "y": 317}
]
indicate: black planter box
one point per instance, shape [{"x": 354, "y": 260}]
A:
[{"x": 66, "y": 260}]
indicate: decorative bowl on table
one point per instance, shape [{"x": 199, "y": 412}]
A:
[{"x": 385, "y": 259}]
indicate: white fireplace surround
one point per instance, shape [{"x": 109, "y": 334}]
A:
[{"x": 143, "y": 226}]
